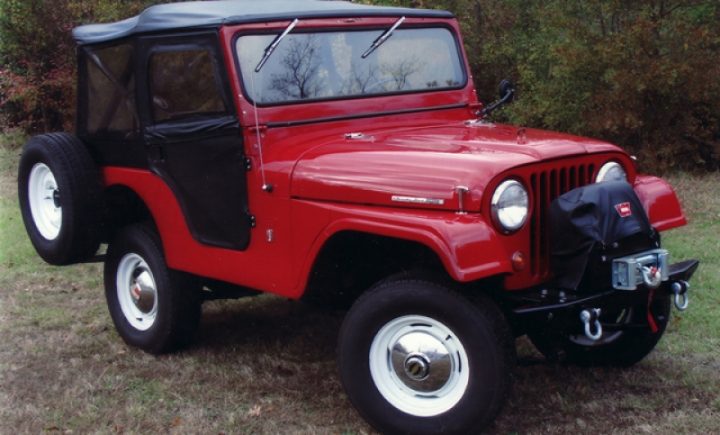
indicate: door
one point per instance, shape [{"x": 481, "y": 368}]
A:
[{"x": 193, "y": 137}]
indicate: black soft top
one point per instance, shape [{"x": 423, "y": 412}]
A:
[{"x": 213, "y": 14}]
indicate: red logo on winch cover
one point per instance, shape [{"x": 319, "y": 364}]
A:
[{"x": 623, "y": 209}]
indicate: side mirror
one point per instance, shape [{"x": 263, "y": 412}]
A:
[
  {"x": 507, "y": 94},
  {"x": 507, "y": 91}
]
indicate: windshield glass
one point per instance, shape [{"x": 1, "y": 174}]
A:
[{"x": 327, "y": 65}]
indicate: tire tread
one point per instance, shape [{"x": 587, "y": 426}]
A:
[{"x": 70, "y": 161}]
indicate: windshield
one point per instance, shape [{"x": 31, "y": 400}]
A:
[{"x": 327, "y": 65}]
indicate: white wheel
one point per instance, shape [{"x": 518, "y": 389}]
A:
[
  {"x": 416, "y": 357},
  {"x": 137, "y": 292},
  {"x": 153, "y": 308},
  {"x": 44, "y": 198},
  {"x": 419, "y": 365},
  {"x": 61, "y": 198}
]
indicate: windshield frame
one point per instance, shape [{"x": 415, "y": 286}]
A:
[{"x": 244, "y": 85}]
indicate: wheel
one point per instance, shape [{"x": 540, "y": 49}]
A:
[
  {"x": 614, "y": 348},
  {"x": 59, "y": 189},
  {"x": 153, "y": 308},
  {"x": 416, "y": 357}
]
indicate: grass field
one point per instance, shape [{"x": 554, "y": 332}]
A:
[{"x": 266, "y": 365}]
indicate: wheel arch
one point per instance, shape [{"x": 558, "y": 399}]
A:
[
  {"x": 463, "y": 249},
  {"x": 351, "y": 261},
  {"x": 123, "y": 206}
]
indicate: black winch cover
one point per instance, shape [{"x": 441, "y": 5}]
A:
[{"x": 592, "y": 219}]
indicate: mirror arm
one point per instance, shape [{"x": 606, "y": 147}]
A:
[{"x": 502, "y": 101}]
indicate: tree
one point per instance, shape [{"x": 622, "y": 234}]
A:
[
  {"x": 640, "y": 73},
  {"x": 37, "y": 74}
]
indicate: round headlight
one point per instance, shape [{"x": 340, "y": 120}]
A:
[
  {"x": 510, "y": 206},
  {"x": 611, "y": 171}
]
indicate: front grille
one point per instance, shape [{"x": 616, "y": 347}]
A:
[{"x": 546, "y": 185}]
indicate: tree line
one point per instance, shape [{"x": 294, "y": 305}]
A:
[{"x": 644, "y": 74}]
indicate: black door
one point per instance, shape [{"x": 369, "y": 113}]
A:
[{"x": 193, "y": 137}]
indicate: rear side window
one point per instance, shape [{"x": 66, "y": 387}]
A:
[
  {"x": 110, "y": 87},
  {"x": 184, "y": 83}
]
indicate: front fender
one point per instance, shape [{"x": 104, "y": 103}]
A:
[
  {"x": 466, "y": 244},
  {"x": 660, "y": 202}
]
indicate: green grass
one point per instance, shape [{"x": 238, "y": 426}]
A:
[
  {"x": 696, "y": 330},
  {"x": 266, "y": 365}
]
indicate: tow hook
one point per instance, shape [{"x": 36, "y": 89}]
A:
[
  {"x": 591, "y": 320},
  {"x": 680, "y": 288}
]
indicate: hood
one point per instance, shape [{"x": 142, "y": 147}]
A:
[{"x": 423, "y": 167}]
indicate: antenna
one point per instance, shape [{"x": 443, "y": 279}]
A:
[{"x": 266, "y": 187}]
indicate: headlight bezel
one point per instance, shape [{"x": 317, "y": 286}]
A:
[
  {"x": 495, "y": 209},
  {"x": 607, "y": 168}
]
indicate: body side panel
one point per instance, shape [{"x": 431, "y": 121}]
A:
[{"x": 465, "y": 243}]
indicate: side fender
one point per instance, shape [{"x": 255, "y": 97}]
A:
[
  {"x": 660, "y": 202},
  {"x": 465, "y": 244}
]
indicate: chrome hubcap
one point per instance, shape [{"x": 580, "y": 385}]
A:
[
  {"x": 137, "y": 292},
  {"x": 421, "y": 361},
  {"x": 44, "y": 199},
  {"x": 419, "y": 365}
]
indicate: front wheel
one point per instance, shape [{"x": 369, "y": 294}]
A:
[
  {"x": 416, "y": 357},
  {"x": 621, "y": 348},
  {"x": 153, "y": 308}
]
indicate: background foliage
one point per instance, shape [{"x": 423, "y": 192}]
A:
[
  {"x": 37, "y": 73},
  {"x": 641, "y": 73}
]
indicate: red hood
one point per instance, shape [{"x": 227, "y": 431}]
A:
[{"x": 429, "y": 162}]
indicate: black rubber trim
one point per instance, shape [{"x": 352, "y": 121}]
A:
[{"x": 364, "y": 115}]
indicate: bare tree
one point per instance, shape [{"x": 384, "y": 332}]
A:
[{"x": 300, "y": 79}]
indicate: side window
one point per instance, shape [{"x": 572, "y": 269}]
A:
[
  {"x": 110, "y": 86},
  {"x": 184, "y": 83}
]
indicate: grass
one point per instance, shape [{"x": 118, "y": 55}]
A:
[{"x": 266, "y": 365}]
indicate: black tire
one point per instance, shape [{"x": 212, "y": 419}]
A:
[
  {"x": 614, "y": 348},
  {"x": 480, "y": 329},
  {"x": 163, "y": 321},
  {"x": 77, "y": 196}
]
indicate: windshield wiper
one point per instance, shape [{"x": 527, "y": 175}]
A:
[
  {"x": 382, "y": 38},
  {"x": 273, "y": 45}
]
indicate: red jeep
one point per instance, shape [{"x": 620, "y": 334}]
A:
[{"x": 337, "y": 153}]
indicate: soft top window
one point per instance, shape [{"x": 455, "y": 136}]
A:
[
  {"x": 110, "y": 91},
  {"x": 328, "y": 65},
  {"x": 184, "y": 83}
]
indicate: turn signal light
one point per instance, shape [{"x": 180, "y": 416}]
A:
[{"x": 518, "y": 261}]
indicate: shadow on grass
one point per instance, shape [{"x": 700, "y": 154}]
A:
[
  {"x": 294, "y": 344},
  {"x": 296, "y": 327}
]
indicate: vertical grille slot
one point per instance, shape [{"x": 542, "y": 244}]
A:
[
  {"x": 546, "y": 185},
  {"x": 534, "y": 238}
]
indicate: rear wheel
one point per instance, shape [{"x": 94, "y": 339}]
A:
[
  {"x": 614, "y": 348},
  {"x": 59, "y": 189},
  {"x": 154, "y": 308},
  {"x": 416, "y": 357}
]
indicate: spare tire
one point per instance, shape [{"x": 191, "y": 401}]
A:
[{"x": 60, "y": 193}]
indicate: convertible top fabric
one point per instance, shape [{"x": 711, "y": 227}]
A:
[{"x": 213, "y": 14}]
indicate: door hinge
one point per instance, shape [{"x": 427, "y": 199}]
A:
[
  {"x": 252, "y": 220},
  {"x": 248, "y": 164},
  {"x": 156, "y": 153}
]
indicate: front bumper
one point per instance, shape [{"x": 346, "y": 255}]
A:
[{"x": 561, "y": 310}]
